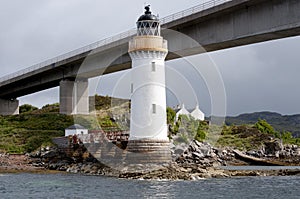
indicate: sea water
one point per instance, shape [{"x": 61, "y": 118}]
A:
[{"x": 80, "y": 186}]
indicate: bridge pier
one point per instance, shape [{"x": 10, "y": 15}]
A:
[
  {"x": 9, "y": 107},
  {"x": 73, "y": 97}
]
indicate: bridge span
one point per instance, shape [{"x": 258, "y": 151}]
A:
[{"x": 215, "y": 25}]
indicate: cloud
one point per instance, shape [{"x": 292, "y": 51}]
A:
[
  {"x": 41, "y": 98},
  {"x": 262, "y": 76}
]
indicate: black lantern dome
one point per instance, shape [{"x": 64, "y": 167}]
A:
[
  {"x": 148, "y": 16},
  {"x": 148, "y": 24}
]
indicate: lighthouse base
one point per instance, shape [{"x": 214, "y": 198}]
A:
[{"x": 148, "y": 152}]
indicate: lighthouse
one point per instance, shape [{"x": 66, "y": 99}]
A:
[{"x": 148, "y": 139}]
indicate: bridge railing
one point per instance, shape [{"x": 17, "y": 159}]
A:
[
  {"x": 70, "y": 54},
  {"x": 108, "y": 40},
  {"x": 192, "y": 10}
]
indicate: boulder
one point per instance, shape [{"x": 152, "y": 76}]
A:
[
  {"x": 49, "y": 154},
  {"x": 297, "y": 152},
  {"x": 200, "y": 153},
  {"x": 273, "y": 147}
]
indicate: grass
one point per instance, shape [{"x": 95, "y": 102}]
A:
[
  {"x": 235, "y": 142},
  {"x": 26, "y": 132}
]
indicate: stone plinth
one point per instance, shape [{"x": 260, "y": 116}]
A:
[{"x": 148, "y": 151}]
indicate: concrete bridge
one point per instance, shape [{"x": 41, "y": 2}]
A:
[{"x": 215, "y": 25}]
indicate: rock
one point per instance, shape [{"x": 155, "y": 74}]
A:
[
  {"x": 193, "y": 148},
  {"x": 277, "y": 154},
  {"x": 198, "y": 155},
  {"x": 197, "y": 176},
  {"x": 213, "y": 154},
  {"x": 294, "y": 147},
  {"x": 35, "y": 154},
  {"x": 272, "y": 147},
  {"x": 252, "y": 153},
  {"x": 297, "y": 152},
  {"x": 49, "y": 154},
  {"x": 178, "y": 151},
  {"x": 201, "y": 153}
]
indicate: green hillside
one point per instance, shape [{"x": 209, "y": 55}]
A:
[
  {"x": 281, "y": 123},
  {"x": 35, "y": 127},
  {"x": 28, "y": 131}
]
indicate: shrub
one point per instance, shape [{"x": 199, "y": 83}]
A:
[
  {"x": 27, "y": 108},
  {"x": 264, "y": 127},
  {"x": 170, "y": 115},
  {"x": 201, "y": 135}
]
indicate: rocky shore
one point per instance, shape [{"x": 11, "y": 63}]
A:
[
  {"x": 198, "y": 161},
  {"x": 18, "y": 163}
]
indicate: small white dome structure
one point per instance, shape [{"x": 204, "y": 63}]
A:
[{"x": 76, "y": 129}]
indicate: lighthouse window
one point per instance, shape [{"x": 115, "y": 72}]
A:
[
  {"x": 153, "y": 108},
  {"x": 153, "y": 66},
  {"x": 131, "y": 88}
]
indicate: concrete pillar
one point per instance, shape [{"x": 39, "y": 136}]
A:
[
  {"x": 74, "y": 98},
  {"x": 9, "y": 107},
  {"x": 66, "y": 97},
  {"x": 82, "y": 97}
]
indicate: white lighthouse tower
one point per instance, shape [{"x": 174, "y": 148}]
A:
[{"x": 148, "y": 124}]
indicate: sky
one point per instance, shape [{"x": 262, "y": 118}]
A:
[{"x": 258, "y": 77}]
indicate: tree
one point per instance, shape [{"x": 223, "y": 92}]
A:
[
  {"x": 264, "y": 127},
  {"x": 173, "y": 127},
  {"x": 55, "y": 105},
  {"x": 287, "y": 137},
  {"x": 201, "y": 131},
  {"x": 27, "y": 108},
  {"x": 170, "y": 115},
  {"x": 201, "y": 135}
]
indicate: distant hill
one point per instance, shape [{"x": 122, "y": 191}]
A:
[{"x": 280, "y": 122}]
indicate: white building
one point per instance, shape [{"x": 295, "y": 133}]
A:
[
  {"x": 181, "y": 111},
  {"x": 195, "y": 113},
  {"x": 76, "y": 129}
]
